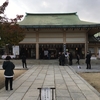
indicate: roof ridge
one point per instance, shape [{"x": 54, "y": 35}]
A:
[{"x": 74, "y": 13}]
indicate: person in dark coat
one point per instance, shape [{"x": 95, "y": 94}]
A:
[
  {"x": 78, "y": 58},
  {"x": 70, "y": 58},
  {"x": 24, "y": 61},
  {"x": 8, "y": 66},
  {"x": 88, "y": 59},
  {"x": 63, "y": 59},
  {"x": 59, "y": 57}
]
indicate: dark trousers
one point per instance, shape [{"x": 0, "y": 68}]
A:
[
  {"x": 88, "y": 66},
  {"x": 77, "y": 62},
  {"x": 63, "y": 63},
  {"x": 7, "y": 81},
  {"x": 59, "y": 62},
  {"x": 70, "y": 62},
  {"x": 24, "y": 64},
  {"x": 66, "y": 61}
]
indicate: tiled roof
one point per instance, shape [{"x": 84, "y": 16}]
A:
[{"x": 53, "y": 19}]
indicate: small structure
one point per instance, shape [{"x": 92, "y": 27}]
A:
[{"x": 46, "y": 93}]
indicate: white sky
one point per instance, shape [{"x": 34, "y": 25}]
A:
[{"x": 87, "y": 10}]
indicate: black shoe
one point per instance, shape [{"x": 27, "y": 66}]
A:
[{"x": 11, "y": 89}]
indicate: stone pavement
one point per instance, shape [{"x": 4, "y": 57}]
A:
[{"x": 47, "y": 73}]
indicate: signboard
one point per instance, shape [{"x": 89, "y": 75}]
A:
[
  {"x": 45, "y": 94},
  {"x": 15, "y": 50}
]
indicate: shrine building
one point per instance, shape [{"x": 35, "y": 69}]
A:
[{"x": 58, "y": 32}]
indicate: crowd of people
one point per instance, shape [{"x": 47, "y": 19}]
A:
[{"x": 66, "y": 59}]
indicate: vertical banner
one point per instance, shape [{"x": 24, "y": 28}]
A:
[
  {"x": 45, "y": 94},
  {"x": 15, "y": 50}
]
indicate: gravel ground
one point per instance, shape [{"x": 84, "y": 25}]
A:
[
  {"x": 2, "y": 79},
  {"x": 93, "y": 79}
]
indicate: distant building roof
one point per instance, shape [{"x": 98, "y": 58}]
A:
[{"x": 93, "y": 39}]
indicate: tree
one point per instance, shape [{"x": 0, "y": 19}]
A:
[{"x": 10, "y": 32}]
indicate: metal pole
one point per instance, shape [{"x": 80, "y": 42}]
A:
[
  {"x": 52, "y": 93},
  {"x": 40, "y": 92}
]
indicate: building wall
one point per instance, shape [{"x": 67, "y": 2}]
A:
[
  {"x": 54, "y": 36},
  {"x": 75, "y": 37},
  {"x": 50, "y": 37},
  {"x": 29, "y": 38}
]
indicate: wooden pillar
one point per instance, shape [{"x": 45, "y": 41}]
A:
[
  {"x": 86, "y": 44},
  {"x": 96, "y": 50},
  {"x": 64, "y": 42},
  {"x": 37, "y": 44},
  {"x": 64, "y": 38},
  {"x": 37, "y": 51}
]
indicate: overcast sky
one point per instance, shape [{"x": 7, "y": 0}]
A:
[{"x": 87, "y": 10}]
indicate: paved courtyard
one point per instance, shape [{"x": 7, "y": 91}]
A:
[{"x": 47, "y": 73}]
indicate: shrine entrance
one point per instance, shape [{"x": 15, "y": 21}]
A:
[{"x": 51, "y": 51}]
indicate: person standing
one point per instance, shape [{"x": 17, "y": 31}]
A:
[
  {"x": 59, "y": 57},
  {"x": 63, "y": 59},
  {"x": 78, "y": 58},
  {"x": 66, "y": 58},
  {"x": 70, "y": 58},
  {"x": 24, "y": 61},
  {"x": 88, "y": 58},
  {"x": 8, "y": 66}
]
